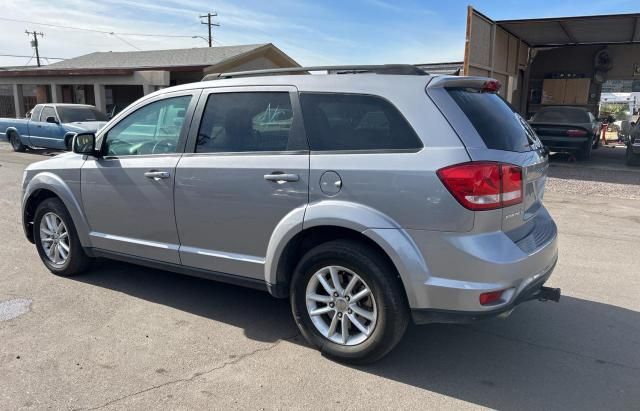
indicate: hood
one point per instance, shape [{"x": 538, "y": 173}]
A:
[
  {"x": 58, "y": 161},
  {"x": 91, "y": 126}
]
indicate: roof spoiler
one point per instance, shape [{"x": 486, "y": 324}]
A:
[
  {"x": 397, "y": 69},
  {"x": 483, "y": 83}
]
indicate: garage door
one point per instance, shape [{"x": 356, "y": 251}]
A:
[{"x": 491, "y": 51}]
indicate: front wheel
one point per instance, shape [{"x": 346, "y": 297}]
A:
[
  {"x": 16, "y": 144},
  {"x": 349, "y": 302},
  {"x": 57, "y": 240}
]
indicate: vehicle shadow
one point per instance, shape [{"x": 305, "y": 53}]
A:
[
  {"x": 607, "y": 165},
  {"x": 577, "y": 354}
]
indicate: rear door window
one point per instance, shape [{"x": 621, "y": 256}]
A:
[
  {"x": 499, "y": 126},
  {"x": 246, "y": 122},
  {"x": 354, "y": 122}
]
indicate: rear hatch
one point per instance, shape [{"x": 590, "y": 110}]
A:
[{"x": 492, "y": 131}]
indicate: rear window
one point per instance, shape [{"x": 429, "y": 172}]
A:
[
  {"x": 335, "y": 122},
  {"x": 562, "y": 116},
  {"x": 499, "y": 126}
]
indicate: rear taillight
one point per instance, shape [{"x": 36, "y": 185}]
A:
[
  {"x": 576, "y": 133},
  {"x": 483, "y": 185}
]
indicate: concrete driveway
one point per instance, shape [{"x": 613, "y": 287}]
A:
[{"x": 126, "y": 337}]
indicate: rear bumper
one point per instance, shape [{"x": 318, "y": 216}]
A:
[
  {"x": 533, "y": 291},
  {"x": 462, "y": 266},
  {"x": 564, "y": 143}
]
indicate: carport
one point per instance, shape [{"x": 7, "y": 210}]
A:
[{"x": 563, "y": 60}]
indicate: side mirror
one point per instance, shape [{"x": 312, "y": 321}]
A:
[
  {"x": 84, "y": 143},
  {"x": 51, "y": 119}
]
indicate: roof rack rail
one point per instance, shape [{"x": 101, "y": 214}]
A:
[{"x": 398, "y": 69}]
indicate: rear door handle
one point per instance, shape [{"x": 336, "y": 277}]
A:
[
  {"x": 157, "y": 175},
  {"x": 280, "y": 177}
]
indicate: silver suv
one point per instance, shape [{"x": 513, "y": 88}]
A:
[{"x": 368, "y": 196}]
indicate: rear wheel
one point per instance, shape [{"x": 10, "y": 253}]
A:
[
  {"x": 585, "y": 153},
  {"x": 57, "y": 240},
  {"x": 16, "y": 144},
  {"x": 631, "y": 159},
  {"x": 349, "y": 302}
]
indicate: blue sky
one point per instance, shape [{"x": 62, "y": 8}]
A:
[{"x": 312, "y": 32}]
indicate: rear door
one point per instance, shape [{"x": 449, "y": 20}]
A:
[
  {"x": 491, "y": 130},
  {"x": 245, "y": 168}
]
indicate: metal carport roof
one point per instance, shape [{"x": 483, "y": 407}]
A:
[{"x": 565, "y": 31}]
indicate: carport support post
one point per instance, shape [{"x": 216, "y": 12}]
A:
[
  {"x": 99, "y": 95},
  {"x": 17, "y": 100},
  {"x": 148, "y": 89},
  {"x": 56, "y": 93}
]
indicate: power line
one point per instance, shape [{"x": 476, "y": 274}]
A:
[
  {"x": 95, "y": 30},
  {"x": 125, "y": 41},
  {"x": 20, "y": 55},
  {"x": 30, "y": 58},
  {"x": 210, "y": 24}
]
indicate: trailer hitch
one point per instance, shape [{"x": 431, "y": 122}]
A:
[{"x": 548, "y": 294}]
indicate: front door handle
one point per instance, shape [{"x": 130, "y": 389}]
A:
[
  {"x": 280, "y": 177},
  {"x": 157, "y": 175}
]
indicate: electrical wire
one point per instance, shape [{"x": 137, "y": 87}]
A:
[
  {"x": 125, "y": 41},
  {"x": 31, "y": 58},
  {"x": 95, "y": 30},
  {"x": 18, "y": 55}
]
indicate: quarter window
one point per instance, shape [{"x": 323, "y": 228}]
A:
[
  {"x": 243, "y": 122},
  {"x": 152, "y": 129},
  {"x": 355, "y": 122}
]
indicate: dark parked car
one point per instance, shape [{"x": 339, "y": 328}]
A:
[
  {"x": 633, "y": 146},
  {"x": 567, "y": 129}
]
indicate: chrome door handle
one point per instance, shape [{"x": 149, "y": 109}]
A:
[
  {"x": 157, "y": 175},
  {"x": 281, "y": 177}
]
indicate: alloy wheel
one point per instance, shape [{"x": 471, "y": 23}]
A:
[
  {"x": 341, "y": 305},
  {"x": 54, "y": 238}
]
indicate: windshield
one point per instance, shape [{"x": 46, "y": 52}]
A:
[
  {"x": 76, "y": 114},
  {"x": 561, "y": 115}
]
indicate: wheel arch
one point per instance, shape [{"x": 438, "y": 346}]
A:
[
  {"x": 48, "y": 185},
  {"x": 311, "y": 227}
]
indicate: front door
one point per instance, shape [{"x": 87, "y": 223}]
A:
[
  {"x": 128, "y": 191},
  {"x": 245, "y": 168}
]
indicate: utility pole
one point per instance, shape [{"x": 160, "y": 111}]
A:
[
  {"x": 210, "y": 24},
  {"x": 34, "y": 42}
]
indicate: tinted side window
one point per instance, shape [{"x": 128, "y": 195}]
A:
[
  {"x": 241, "y": 122},
  {"x": 152, "y": 129},
  {"x": 35, "y": 114},
  {"x": 48, "y": 111},
  {"x": 499, "y": 126},
  {"x": 355, "y": 122}
]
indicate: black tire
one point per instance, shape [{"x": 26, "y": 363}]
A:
[
  {"x": 585, "y": 153},
  {"x": 77, "y": 260},
  {"x": 16, "y": 144},
  {"x": 386, "y": 288},
  {"x": 630, "y": 158}
]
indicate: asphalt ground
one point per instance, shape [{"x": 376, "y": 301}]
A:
[{"x": 126, "y": 337}]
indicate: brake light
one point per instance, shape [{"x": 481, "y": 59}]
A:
[
  {"x": 576, "y": 133},
  {"x": 491, "y": 86},
  {"x": 490, "y": 297},
  {"x": 483, "y": 185}
]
